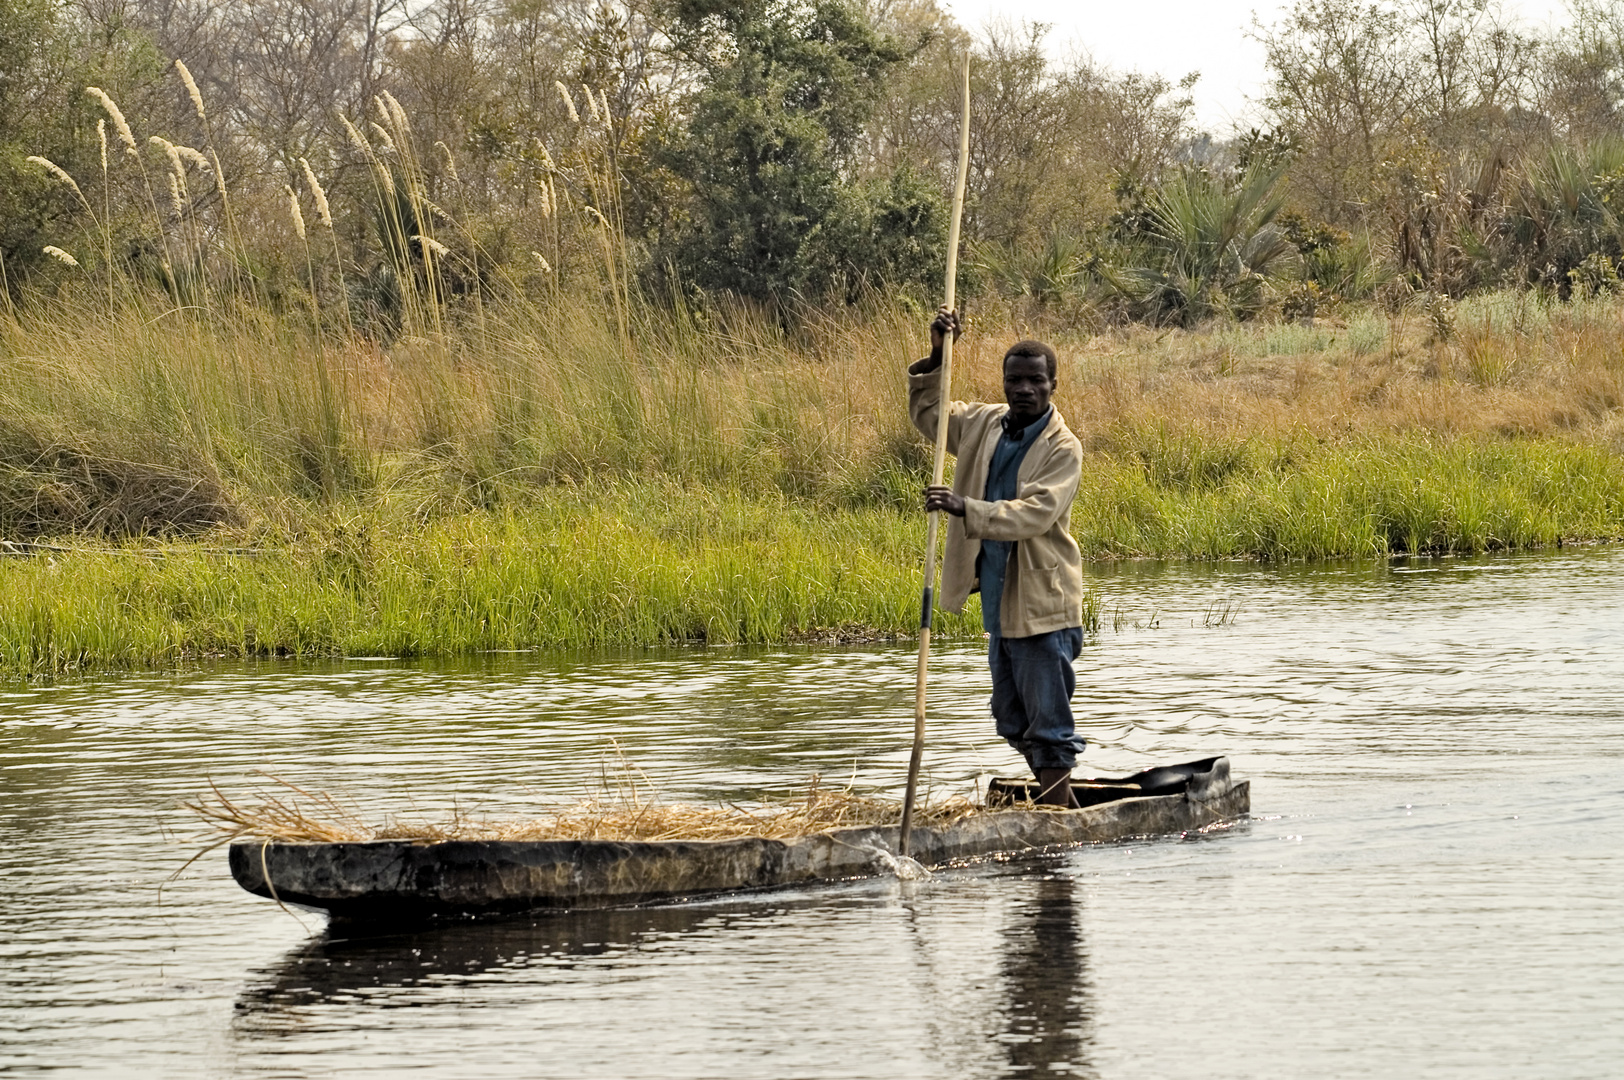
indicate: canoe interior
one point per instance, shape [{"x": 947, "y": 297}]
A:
[
  {"x": 392, "y": 881},
  {"x": 1162, "y": 780}
]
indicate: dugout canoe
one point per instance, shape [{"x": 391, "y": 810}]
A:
[{"x": 405, "y": 881}]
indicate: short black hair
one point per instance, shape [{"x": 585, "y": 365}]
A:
[{"x": 1033, "y": 348}]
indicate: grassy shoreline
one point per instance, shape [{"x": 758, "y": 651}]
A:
[
  {"x": 235, "y": 486},
  {"x": 627, "y": 567}
]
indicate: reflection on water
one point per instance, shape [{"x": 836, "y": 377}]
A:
[
  {"x": 1027, "y": 1010},
  {"x": 1430, "y": 885},
  {"x": 332, "y": 970},
  {"x": 1046, "y": 971}
]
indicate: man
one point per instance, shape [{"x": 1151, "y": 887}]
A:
[{"x": 1009, "y": 537}]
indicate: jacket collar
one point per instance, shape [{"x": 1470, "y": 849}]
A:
[{"x": 1041, "y": 423}]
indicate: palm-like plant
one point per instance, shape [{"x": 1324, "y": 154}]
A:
[
  {"x": 1045, "y": 275},
  {"x": 1210, "y": 246},
  {"x": 1570, "y": 208}
]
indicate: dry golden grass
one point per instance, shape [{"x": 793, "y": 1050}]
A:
[
  {"x": 1511, "y": 369},
  {"x": 294, "y": 815}
]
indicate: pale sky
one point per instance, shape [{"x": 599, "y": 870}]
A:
[{"x": 1175, "y": 37}]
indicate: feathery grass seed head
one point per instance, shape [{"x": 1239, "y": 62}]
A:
[
  {"x": 219, "y": 174},
  {"x": 432, "y": 244},
  {"x": 569, "y": 102},
  {"x": 293, "y": 211},
  {"x": 59, "y": 255},
  {"x": 546, "y": 267},
  {"x": 101, "y": 137},
  {"x": 114, "y": 114},
  {"x": 591, "y": 101},
  {"x": 59, "y": 172},
  {"x": 378, "y": 129},
  {"x": 450, "y": 162},
  {"x": 175, "y": 201},
  {"x": 608, "y": 117},
  {"x": 171, "y": 151},
  {"x": 397, "y": 115},
  {"x": 359, "y": 140},
  {"x": 323, "y": 213},
  {"x": 192, "y": 91}
]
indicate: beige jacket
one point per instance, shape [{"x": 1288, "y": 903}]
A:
[{"x": 1043, "y": 586}]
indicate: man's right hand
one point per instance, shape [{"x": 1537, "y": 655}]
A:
[{"x": 945, "y": 320}]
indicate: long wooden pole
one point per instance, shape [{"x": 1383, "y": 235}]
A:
[{"x": 944, "y": 407}]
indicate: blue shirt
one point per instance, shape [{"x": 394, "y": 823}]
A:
[{"x": 1002, "y": 485}]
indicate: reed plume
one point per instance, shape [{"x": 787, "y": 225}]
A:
[
  {"x": 294, "y": 212},
  {"x": 569, "y": 102},
  {"x": 324, "y": 213},
  {"x": 192, "y": 91},
  {"x": 61, "y": 174},
  {"x": 115, "y": 113}
]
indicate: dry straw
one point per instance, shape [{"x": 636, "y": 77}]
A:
[{"x": 293, "y": 815}]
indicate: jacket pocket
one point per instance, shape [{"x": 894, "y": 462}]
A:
[{"x": 1041, "y": 593}]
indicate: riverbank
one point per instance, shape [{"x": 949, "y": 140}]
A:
[
  {"x": 636, "y": 565},
  {"x": 234, "y": 486}
]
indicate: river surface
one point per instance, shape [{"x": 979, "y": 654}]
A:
[{"x": 1431, "y": 883}]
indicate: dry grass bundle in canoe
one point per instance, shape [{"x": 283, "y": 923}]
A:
[{"x": 291, "y": 814}]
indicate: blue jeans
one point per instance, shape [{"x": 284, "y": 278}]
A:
[{"x": 1032, "y": 684}]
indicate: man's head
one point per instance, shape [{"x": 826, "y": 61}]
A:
[{"x": 1029, "y": 380}]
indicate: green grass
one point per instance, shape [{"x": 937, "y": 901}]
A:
[
  {"x": 637, "y": 564},
  {"x": 1365, "y": 497},
  {"x": 617, "y": 567}
]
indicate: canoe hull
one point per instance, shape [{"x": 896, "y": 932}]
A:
[{"x": 403, "y": 881}]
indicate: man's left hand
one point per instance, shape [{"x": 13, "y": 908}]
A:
[{"x": 941, "y": 497}]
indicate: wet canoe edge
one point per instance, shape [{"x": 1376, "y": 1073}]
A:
[{"x": 397, "y": 882}]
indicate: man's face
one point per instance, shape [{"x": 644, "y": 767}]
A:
[{"x": 1027, "y": 387}]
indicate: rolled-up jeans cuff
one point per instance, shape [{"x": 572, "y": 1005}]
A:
[{"x": 1049, "y": 756}]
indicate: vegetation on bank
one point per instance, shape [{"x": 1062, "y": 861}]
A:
[
  {"x": 606, "y": 567},
  {"x": 193, "y": 488},
  {"x": 626, "y": 367}
]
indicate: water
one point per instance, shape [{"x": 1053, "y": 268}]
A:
[{"x": 1431, "y": 884}]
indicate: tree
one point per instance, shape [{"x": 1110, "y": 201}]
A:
[
  {"x": 773, "y": 132},
  {"x": 1341, "y": 80}
]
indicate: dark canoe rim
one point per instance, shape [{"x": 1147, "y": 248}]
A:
[{"x": 394, "y": 881}]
